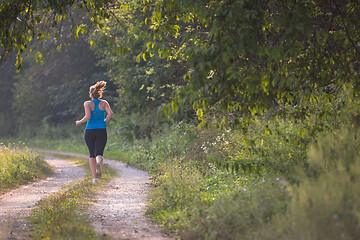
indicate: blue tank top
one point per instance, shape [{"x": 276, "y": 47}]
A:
[{"x": 97, "y": 120}]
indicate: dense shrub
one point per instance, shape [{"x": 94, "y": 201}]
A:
[{"x": 326, "y": 206}]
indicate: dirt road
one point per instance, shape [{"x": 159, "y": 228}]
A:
[
  {"x": 16, "y": 205},
  {"x": 117, "y": 212}
]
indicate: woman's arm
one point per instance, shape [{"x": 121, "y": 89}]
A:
[
  {"x": 87, "y": 114},
  {"x": 108, "y": 111}
]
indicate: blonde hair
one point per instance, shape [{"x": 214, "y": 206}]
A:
[{"x": 97, "y": 89}]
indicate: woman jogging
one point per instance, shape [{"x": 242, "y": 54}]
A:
[{"x": 95, "y": 131}]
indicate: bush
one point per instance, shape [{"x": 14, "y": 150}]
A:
[
  {"x": 239, "y": 214},
  {"x": 339, "y": 147},
  {"x": 327, "y": 206},
  {"x": 278, "y": 145}
]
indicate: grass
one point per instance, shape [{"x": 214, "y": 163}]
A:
[
  {"x": 73, "y": 144},
  {"x": 20, "y": 166},
  {"x": 61, "y": 215},
  {"x": 326, "y": 204}
]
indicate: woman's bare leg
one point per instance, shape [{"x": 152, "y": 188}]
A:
[
  {"x": 92, "y": 163},
  {"x": 99, "y": 159}
]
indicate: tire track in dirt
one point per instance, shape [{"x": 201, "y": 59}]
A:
[
  {"x": 16, "y": 205},
  {"x": 118, "y": 209}
]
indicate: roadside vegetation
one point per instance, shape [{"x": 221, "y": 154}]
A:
[
  {"x": 278, "y": 178},
  {"x": 20, "y": 166}
]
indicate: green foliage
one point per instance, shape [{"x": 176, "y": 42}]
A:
[
  {"x": 199, "y": 199},
  {"x": 20, "y": 166},
  {"x": 24, "y": 21},
  {"x": 242, "y": 57},
  {"x": 246, "y": 56},
  {"x": 326, "y": 207},
  {"x": 144, "y": 82},
  {"x": 52, "y": 85},
  {"x": 340, "y": 147},
  {"x": 56, "y": 88},
  {"x": 186, "y": 178},
  {"x": 273, "y": 75},
  {"x": 193, "y": 169},
  {"x": 26, "y": 101},
  {"x": 67, "y": 138},
  {"x": 239, "y": 214},
  {"x": 265, "y": 144},
  {"x": 280, "y": 140}
]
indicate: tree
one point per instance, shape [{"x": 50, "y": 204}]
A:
[
  {"x": 7, "y": 80},
  {"x": 246, "y": 56},
  {"x": 241, "y": 57},
  {"x": 144, "y": 83},
  {"x": 23, "y": 21}
]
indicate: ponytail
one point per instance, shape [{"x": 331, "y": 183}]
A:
[{"x": 97, "y": 89}]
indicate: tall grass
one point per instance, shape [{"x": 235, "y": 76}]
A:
[
  {"x": 327, "y": 205},
  {"x": 20, "y": 166}
]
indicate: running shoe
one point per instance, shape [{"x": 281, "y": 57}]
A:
[{"x": 95, "y": 180}]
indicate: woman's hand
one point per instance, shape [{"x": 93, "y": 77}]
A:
[{"x": 78, "y": 122}]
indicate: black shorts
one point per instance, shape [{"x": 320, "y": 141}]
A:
[{"x": 95, "y": 140}]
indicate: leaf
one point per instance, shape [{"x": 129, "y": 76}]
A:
[
  {"x": 199, "y": 113},
  {"x": 174, "y": 106},
  {"x": 167, "y": 111},
  {"x": 144, "y": 56},
  {"x": 39, "y": 57}
]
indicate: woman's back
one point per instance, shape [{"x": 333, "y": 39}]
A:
[{"x": 97, "y": 120}]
